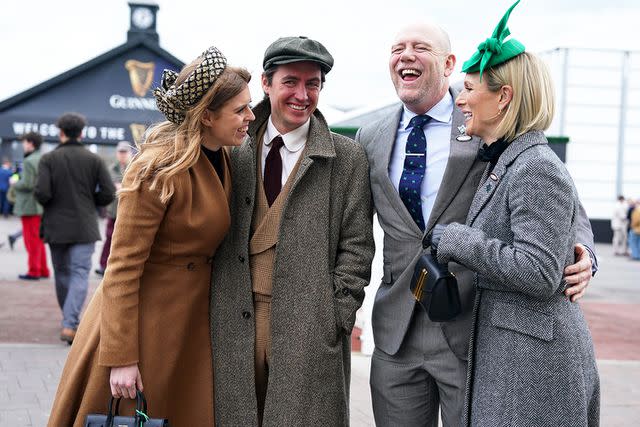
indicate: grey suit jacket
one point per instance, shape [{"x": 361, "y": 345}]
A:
[
  {"x": 394, "y": 304},
  {"x": 518, "y": 238}
]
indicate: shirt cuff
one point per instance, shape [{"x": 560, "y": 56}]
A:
[{"x": 594, "y": 260}]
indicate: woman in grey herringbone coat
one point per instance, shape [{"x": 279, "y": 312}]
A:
[{"x": 531, "y": 355}]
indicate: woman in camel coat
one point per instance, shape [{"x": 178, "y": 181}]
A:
[{"x": 147, "y": 326}]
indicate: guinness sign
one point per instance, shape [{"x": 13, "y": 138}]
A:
[{"x": 140, "y": 75}]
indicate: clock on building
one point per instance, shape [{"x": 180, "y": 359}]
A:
[{"x": 142, "y": 18}]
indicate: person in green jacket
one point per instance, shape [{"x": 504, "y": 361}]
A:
[{"x": 29, "y": 210}]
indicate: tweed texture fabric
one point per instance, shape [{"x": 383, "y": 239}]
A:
[
  {"x": 531, "y": 359},
  {"x": 173, "y": 100},
  {"x": 322, "y": 263}
]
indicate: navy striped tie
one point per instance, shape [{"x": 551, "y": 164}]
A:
[{"x": 415, "y": 163}]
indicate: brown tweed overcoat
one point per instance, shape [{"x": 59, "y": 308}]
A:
[
  {"x": 152, "y": 307},
  {"x": 323, "y": 261}
]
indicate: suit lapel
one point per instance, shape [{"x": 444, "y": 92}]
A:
[
  {"x": 383, "y": 146},
  {"x": 462, "y": 156}
]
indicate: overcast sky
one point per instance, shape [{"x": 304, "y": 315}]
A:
[{"x": 42, "y": 38}]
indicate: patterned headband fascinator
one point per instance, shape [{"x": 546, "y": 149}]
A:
[
  {"x": 174, "y": 100},
  {"x": 494, "y": 50}
]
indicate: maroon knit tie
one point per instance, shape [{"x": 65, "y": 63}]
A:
[{"x": 273, "y": 170}]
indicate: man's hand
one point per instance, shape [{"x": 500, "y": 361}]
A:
[{"x": 578, "y": 275}]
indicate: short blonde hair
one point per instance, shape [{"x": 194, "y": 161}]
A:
[{"x": 533, "y": 103}]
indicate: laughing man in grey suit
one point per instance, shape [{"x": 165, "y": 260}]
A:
[{"x": 419, "y": 365}]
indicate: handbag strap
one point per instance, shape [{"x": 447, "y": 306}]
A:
[{"x": 141, "y": 409}]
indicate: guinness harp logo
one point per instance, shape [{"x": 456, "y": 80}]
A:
[
  {"x": 141, "y": 75},
  {"x": 137, "y": 131}
]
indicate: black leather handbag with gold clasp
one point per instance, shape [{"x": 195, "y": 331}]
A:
[
  {"x": 113, "y": 419},
  {"x": 435, "y": 288}
]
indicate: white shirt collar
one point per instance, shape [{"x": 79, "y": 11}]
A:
[
  {"x": 294, "y": 141},
  {"x": 441, "y": 112}
]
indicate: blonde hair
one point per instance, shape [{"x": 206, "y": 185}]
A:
[
  {"x": 170, "y": 149},
  {"x": 533, "y": 103}
]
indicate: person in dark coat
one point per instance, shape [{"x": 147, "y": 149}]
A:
[
  {"x": 5, "y": 175},
  {"x": 72, "y": 183},
  {"x": 123, "y": 157},
  {"x": 531, "y": 360}
]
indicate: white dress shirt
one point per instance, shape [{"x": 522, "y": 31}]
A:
[
  {"x": 290, "y": 152},
  {"x": 438, "y": 135}
]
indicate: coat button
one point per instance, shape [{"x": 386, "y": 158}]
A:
[
  {"x": 246, "y": 315},
  {"x": 346, "y": 292},
  {"x": 191, "y": 266},
  {"x": 248, "y": 200},
  {"x": 240, "y": 258}
]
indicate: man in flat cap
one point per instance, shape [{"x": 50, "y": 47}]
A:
[
  {"x": 419, "y": 366},
  {"x": 290, "y": 275}
]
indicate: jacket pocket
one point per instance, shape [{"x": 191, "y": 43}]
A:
[
  {"x": 386, "y": 273},
  {"x": 523, "y": 320}
]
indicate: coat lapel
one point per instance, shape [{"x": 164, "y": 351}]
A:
[
  {"x": 491, "y": 180},
  {"x": 462, "y": 156},
  {"x": 319, "y": 145}
]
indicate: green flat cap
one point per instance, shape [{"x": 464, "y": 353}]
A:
[
  {"x": 286, "y": 50},
  {"x": 494, "y": 50}
]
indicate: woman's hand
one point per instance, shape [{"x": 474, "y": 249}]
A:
[{"x": 124, "y": 381}]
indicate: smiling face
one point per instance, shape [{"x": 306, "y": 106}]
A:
[
  {"x": 420, "y": 66},
  {"x": 228, "y": 125},
  {"x": 293, "y": 92},
  {"x": 481, "y": 107}
]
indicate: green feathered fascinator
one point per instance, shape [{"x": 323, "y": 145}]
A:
[{"x": 494, "y": 50}]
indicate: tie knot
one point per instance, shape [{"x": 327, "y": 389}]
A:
[
  {"x": 277, "y": 142},
  {"x": 419, "y": 121}
]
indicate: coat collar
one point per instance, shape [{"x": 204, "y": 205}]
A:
[
  {"x": 69, "y": 143},
  {"x": 319, "y": 141},
  {"x": 491, "y": 179}
]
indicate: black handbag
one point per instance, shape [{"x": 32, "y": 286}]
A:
[
  {"x": 113, "y": 419},
  {"x": 435, "y": 288}
]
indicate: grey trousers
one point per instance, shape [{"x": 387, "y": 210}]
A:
[
  {"x": 71, "y": 266},
  {"x": 408, "y": 387}
]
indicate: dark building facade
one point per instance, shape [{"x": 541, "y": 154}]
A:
[{"x": 113, "y": 91}]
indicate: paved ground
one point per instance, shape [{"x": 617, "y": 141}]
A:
[{"x": 31, "y": 356}]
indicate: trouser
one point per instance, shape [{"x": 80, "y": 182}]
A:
[
  {"x": 71, "y": 265},
  {"x": 262, "y": 311},
  {"x": 634, "y": 244},
  {"x": 36, "y": 253},
  {"x": 5, "y": 206},
  {"x": 619, "y": 241},
  {"x": 408, "y": 387},
  {"x": 106, "y": 249}
]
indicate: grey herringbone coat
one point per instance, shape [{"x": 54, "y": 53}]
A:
[
  {"x": 323, "y": 261},
  {"x": 531, "y": 358}
]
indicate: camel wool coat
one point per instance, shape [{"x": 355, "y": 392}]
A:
[
  {"x": 152, "y": 307},
  {"x": 322, "y": 264}
]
